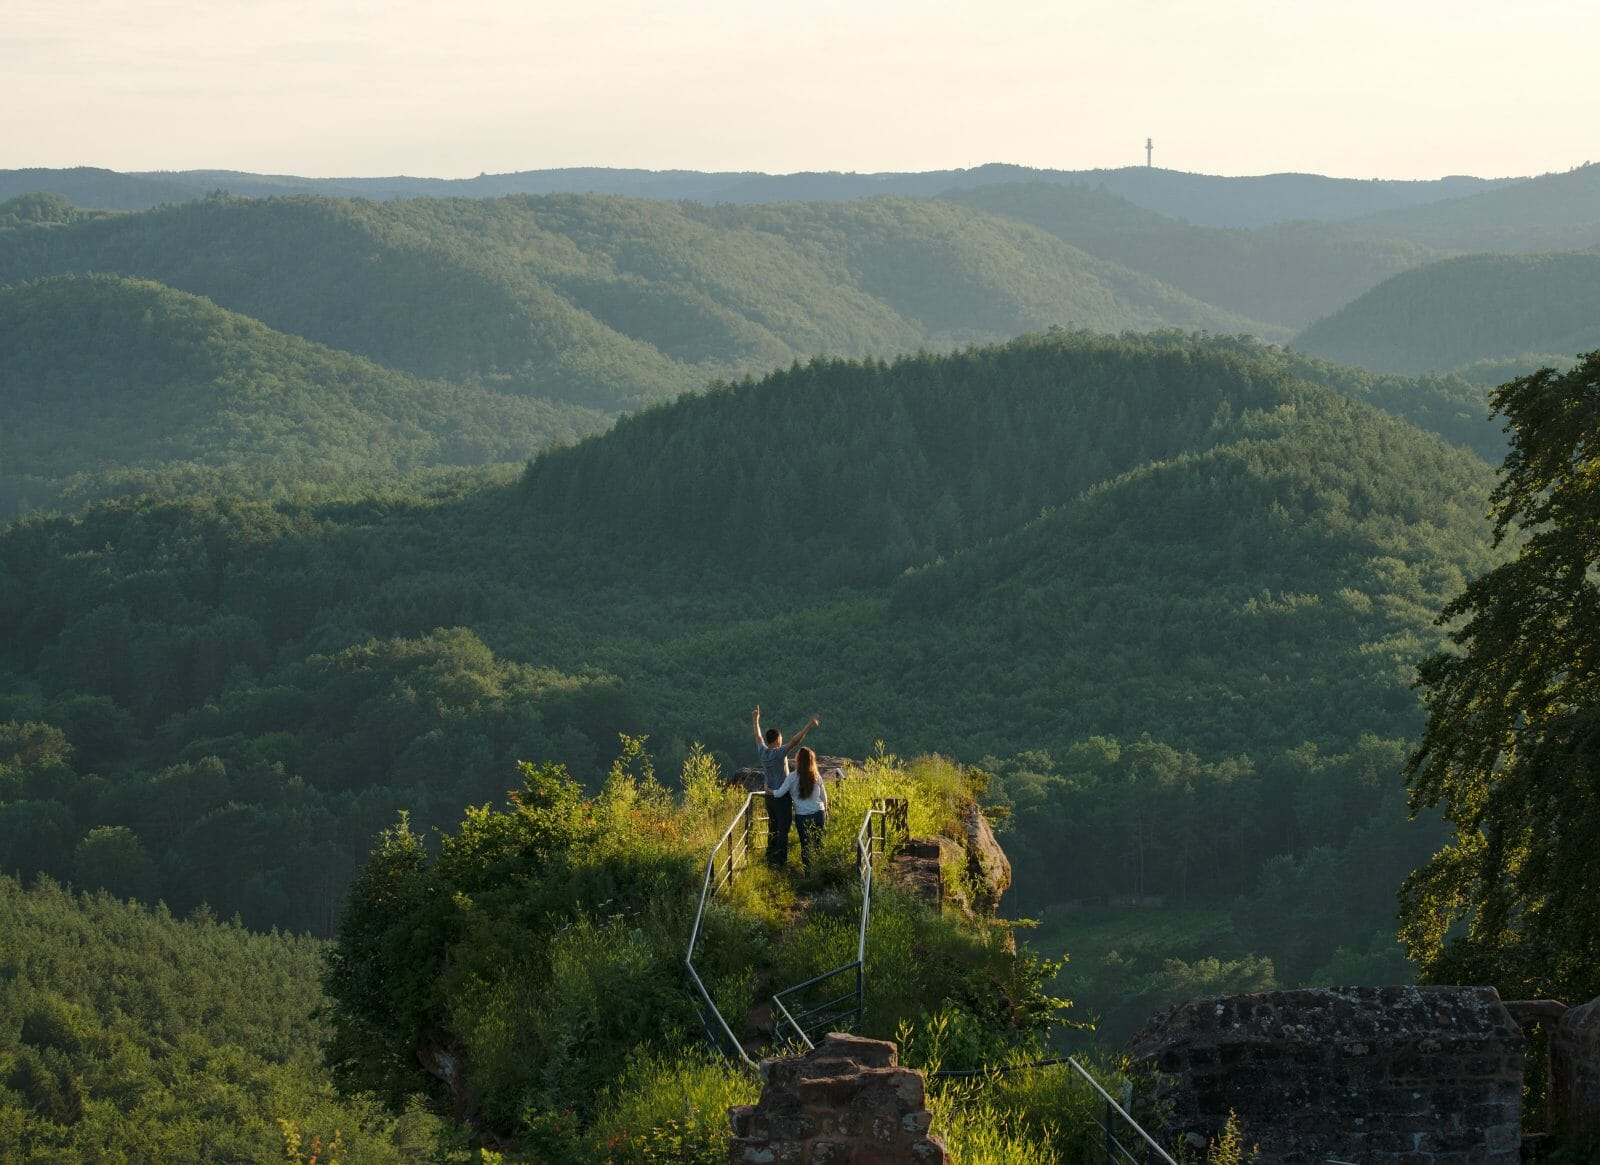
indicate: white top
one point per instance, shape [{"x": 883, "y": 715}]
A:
[{"x": 816, "y": 803}]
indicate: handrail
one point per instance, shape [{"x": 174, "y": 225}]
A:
[
  {"x": 886, "y": 819},
  {"x": 737, "y": 842},
  {"x": 1113, "y": 1146},
  {"x": 879, "y": 825},
  {"x": 888, "y": 814},
  {"x": 1115, "y": 1151}
]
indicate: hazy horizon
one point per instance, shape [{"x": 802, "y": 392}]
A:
[
  {"x": 1253, "y": 87},
  {"x": 623, "y": 167}
]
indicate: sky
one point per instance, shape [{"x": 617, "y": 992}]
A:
[{"x": 332, "y": 88}]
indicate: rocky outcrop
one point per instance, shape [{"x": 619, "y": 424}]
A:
[
  {"x": 967, "y": 875},
  {"x": 443, "y": 1057},
  {"x": 988, "y": 868},
  {"x": 1380, "y": 1075},
  {"x": 848, "y": 1102},
  {"x": 931, "y": 868},
  {"x": 831, "y": 768}
]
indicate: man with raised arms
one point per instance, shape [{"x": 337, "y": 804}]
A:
[{"x": 774, "y": 755}]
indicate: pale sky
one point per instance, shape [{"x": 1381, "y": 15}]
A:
[{"x": 322, "y": 88}]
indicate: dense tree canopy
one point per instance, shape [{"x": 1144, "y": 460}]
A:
[
  {"x": 1512, "y": 746},
  {"x": 131, "y": 1035},
  {"x": 1182, "y": 545},
  {"x": 114, "y": 385}
]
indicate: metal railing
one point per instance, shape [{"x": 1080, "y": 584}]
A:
[
  {"x": 731, "y": 851},
  {"x": 1123, "y": 1141},
  {"x": 793, "y": 1025}
]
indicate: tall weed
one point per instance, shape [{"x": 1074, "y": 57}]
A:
[{"x": 669, "y": 1106}]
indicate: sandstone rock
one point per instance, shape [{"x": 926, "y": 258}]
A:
[
  {"x": 847, "y": 1102},
  {"x": 968, "y": 875},
  {"x": 928, "y": 867},
  {"x": 988, "y": 868}
]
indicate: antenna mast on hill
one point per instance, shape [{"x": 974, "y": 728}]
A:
[{"x": 1149, "y": 147}]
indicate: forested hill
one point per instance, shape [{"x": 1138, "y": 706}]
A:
[
  {"x": 1138, "y": 536},
  {"x": 863, "y": 468},
  {"x": 1542, "y": 309},
  {"x": 1211, "y": 200},
  {"x": 1553, "y": 212},
  {"x": 132, "y": 1035},
  {"x": 607, "y": 302},
  {"x": 1156, "y": 469},
  {"x": 1286, "y": 273},
  {"x": 112, "y": 384}
]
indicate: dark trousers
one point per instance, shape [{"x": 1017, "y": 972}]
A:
[
  {"x": 810, "y": 826},
  {"x": 780, "y": 813}
]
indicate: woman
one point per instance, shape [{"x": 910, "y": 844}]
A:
[{"x": 810, "y": 804}]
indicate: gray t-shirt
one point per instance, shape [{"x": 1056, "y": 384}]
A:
[{"x": 774, "y": 765}]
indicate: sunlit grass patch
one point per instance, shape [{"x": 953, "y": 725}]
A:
[{"x": 681, "y": 1097}]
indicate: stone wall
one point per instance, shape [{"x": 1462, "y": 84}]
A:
[
  {"x": 846, "y": 1103},
  {"x": 1575, "y": 1070},
  {"x": 1377, "y": 1075}
]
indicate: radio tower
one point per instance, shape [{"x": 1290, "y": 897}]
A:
[{"x": 1149, "y": 146}]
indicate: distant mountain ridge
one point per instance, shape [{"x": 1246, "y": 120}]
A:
[
  {"x": 1207, "y": 200},
  {"x": 588, "y": 306},
  {"x": 1555, "y": 212},
  {"x": 1288, "y": 273}
]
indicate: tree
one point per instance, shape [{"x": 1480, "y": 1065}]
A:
[
  {"x": 1511, "y": 751},
  {"x": 111, "y": 857}
]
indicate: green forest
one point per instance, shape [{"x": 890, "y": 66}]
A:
[
  {"x": 364, "y": 563},
  {"x": 584, "y": 306},
  {"x": 1457, "y": 312},
  {"x": 1161, "y": 575},
  {"x": 609, "y": 302},
  {"x": 203, "y": 400}
]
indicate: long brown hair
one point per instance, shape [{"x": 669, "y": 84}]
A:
[{"x": 805, "y": 765}]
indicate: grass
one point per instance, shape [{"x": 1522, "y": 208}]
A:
[
  {"x": 669, "y": 1107},
  {"x": 926, "y": 972}
]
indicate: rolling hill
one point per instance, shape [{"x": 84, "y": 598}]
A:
[
  {"x": 578, "y": 306},
  {"x": 1287, "y": 273},
  {"x": 1531, "y": 309},
  {"x": 1102, "y": 536},
  {"x": 1553, "y": 212},
  {"x": 603, "y": 300},
  {"x": 110, "y": 383},
  {"x": 1194, "y": 501}
]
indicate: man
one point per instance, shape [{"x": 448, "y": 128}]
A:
[{"x": 774, "y": 756}]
